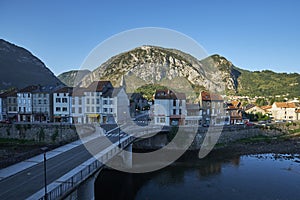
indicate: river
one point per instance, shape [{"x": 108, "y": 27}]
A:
[{"x": 262, "y": 176}]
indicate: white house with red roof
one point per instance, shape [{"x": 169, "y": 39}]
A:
[
  {"x": 284, "y": 111},
  {"x": 169, "y": 108}
]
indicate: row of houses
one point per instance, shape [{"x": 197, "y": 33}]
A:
[
  {"x": 99, "y": 102},
  {"x": 172, "y": 108},
  {"x": 278, "y": 111}
]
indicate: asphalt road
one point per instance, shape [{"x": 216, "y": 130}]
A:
[{"x": 31, "y": 180}]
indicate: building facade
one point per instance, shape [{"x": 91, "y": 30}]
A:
[
  {"x": 213, "y": 110},
  {"x": 25, "y": 104},
  {"x": 62, "y": 105},
  {"x": 284, "y": 111},
  {"x": 169, "y": 108}
]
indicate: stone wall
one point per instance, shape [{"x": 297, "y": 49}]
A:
[
  {"x": 47, "y": 133},
  {"x": 228, "y": 134}
]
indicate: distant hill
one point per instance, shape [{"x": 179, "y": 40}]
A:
[
  {"x": 71, "y": 78},
  {"x": 19, "y": 68},
  {"x": 268, "y": 83}
]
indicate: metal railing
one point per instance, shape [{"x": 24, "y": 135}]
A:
[{"x": 66, "y": 187}]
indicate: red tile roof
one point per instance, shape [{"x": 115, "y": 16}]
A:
[
  {"x": 285, "y": 105},
  {"x": 206, "y": 96}
]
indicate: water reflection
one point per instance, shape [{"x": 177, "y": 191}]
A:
[{"x": 267, "y": 176}]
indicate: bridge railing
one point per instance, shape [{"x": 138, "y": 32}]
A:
[{"x": 67, "y": 186}]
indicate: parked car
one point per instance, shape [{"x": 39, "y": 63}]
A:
[{"x": 249, "y": 124}]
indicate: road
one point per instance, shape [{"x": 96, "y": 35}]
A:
[{"x": 31, "y": 180}]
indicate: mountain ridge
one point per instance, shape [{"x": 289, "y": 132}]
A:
[{"x": 21, "y": 68}]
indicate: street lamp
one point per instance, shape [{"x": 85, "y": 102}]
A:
[
  {"x": 119, "y": 137},
  {"x": 44, "y": 149}
]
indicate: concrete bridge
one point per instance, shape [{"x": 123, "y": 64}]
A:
[{"x": 71, "y": 173}]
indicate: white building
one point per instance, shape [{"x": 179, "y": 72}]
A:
[
  {"x": 62, "y": 105},
  {"x": 169, "y": 108},
  {"x": 284, "y": 111},
  {"x": 78, "y": 105},
  {"x": 24, "y": 100},
  {"x": 42, "y": 103}
]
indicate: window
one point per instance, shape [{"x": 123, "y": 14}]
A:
[
  {"x": 19, "y": 109},
  {"x": 162, "y": 120},
  {"x": 65, "y": 94},
  {"x": 179, "y": 111},
  {"x": 174, "y": 102},
  {"x": 105, "y": 102},
  {"x": 64, "y": 100},
  {"x": 57, "y": 100},
  {"x": 28, "y": 95},
  {"x": 93, "y": 101},
  {"x": 57, "y": 94},
  {"x": 40, "y": 101},
  {"x": 174, "y": 111},
  {"x": 98, "y": 101},
  {"x": 111, "y": 110},
  {"x": 111, "y": 102},
  {"x": 97, "y": 109},
  {"x": 64, "y": 109},
  {"x": 87, "y": 109},
  {"x": 57, "y": 109},
  {"x": 80, "y": 110},
  {"x": 45, "y": 101},
  {"x": 93, "y": 109},
  {"x": 9, "y": 100},
  {"x": 105, "y": 110},
  {"x": 73, "y": 109},
  {"x": 79, "y": 101},
  {"x": 87, "y": 101}
]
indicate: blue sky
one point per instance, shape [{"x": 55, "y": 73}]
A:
[{"x": 254, "y": 35}]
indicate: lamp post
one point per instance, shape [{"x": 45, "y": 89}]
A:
[
  {"x": 119, "y": 137},
  {"x": 44, "y": 149}
]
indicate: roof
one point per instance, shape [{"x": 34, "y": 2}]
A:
[
  {"x": 249, "y": 106},
  {"x": 266, "y": 107},
  {"x": 285, "y": 105},
  {"x": 27, "y": 89},
  {"x": 64, "y": 90},
  {"x": 99, "y": 86},
  {"x": 46, "y": 89},
  {"x": 168, "y": 94},
  {"x": 10, "y": 93},
  {"x": 77, "y": 91},
  {"x": 206, "y": 96},
  {"x": 192, "y": 106}
]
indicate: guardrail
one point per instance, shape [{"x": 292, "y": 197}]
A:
[{"x": 67, "y": 186}]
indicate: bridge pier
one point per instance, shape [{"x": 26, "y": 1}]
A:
[
  {"x": 86, "y": 190},
  {"x": 127, "y": 156}
]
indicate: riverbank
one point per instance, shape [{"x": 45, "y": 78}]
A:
[{"x": 258, "y": 146}]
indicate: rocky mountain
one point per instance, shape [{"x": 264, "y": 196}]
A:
[
  {"x": 73, "y": 77},
  {"x": 19, "y": 68},
  {"x": 175, "y": 69},
  {"x": 168, "y": 67}
]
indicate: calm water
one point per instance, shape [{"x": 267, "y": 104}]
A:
[{"x": 266, "y": 176}]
